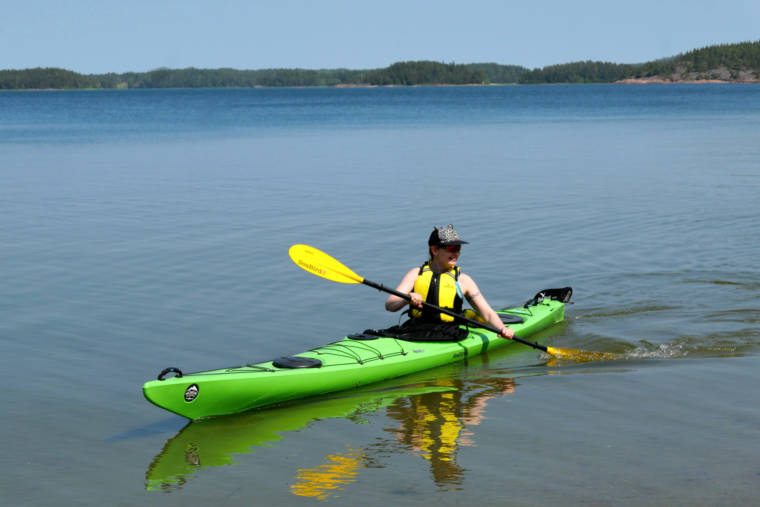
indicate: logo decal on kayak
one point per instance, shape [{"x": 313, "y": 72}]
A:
[{"x": 191, "y": 392}]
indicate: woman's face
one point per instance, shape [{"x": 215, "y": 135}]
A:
[{"x": 446, "y": 256}]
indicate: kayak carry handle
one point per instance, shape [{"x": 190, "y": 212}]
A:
[{"x": 170, "y": 369}]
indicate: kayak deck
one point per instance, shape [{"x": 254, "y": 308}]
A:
[{"x": 344, "y": 364}]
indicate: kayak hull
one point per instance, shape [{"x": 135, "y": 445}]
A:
[{"x": 345, "y": 364}]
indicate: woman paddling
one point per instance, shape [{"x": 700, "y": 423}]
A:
[{"x": 440, "y": 282}]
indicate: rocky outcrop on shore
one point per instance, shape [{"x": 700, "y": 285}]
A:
[{"x": 680, "y": 76}]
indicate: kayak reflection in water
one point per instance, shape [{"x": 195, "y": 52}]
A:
[
  {"x": 439, "y": 281},
  {"x": 431, "y": 420}
]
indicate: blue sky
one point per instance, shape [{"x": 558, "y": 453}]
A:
[{"x": 139, "y": 35}]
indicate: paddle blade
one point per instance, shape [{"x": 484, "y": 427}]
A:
[
  {"x": 319, "y": 263},
  {"x": 581, "y": 355}
]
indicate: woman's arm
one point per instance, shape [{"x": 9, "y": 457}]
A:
[
  {"x": 395, "y": 303},
  {"x": 476, "y": 299}
]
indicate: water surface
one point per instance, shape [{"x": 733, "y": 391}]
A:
[{"x": 145, "y": 229}]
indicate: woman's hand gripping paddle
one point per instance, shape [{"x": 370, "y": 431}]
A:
[{"x": 321, "y": 264}]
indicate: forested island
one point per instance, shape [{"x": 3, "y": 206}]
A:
[
  {"x": 722, "y": 63},
  {"x": 725, "y": 62}
]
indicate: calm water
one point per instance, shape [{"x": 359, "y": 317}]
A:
[{"x": 145, "y": 229}]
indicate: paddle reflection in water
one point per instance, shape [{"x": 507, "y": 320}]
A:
[
  {"x": 428, "y": 419},
  {"x": 323, "y": 480}
]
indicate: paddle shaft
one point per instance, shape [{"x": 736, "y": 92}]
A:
[{"x": 452, "y": 313}]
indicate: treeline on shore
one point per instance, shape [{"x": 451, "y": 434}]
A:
[
  {"x": 738, "y": 62},
  {"x": 709, "y": 62},
  {"x": 728, "y": 62},
  {"x": 399, "y": 74}
]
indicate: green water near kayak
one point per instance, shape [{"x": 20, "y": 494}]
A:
[{"x": 145, "y": 230}]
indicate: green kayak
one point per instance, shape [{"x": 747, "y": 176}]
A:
[{"x": 354, "y": 361}]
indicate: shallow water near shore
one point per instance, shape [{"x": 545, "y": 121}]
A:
[{"x": 146, "y": 229}]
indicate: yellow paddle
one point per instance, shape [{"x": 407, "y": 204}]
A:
[{"x": 321, "y": 264}]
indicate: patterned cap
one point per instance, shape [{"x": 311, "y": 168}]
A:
[{"x": 445, "y": 236}]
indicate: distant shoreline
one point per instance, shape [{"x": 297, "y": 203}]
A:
[
  {"x": 659, "y": 80},
  {"x": 718, "y": 64},
  {"x": 630, "y": 81},
  {"x": 655, "y": 80},
  {"x": 346, "y": 87}
]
